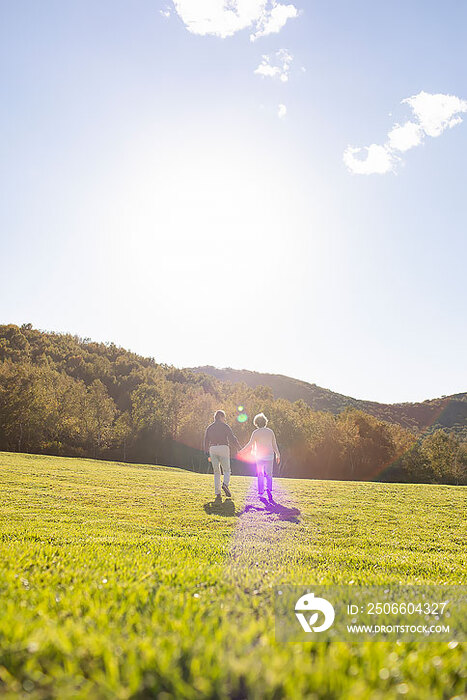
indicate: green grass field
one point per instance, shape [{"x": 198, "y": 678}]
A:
[{"x": 119, "y": 581}]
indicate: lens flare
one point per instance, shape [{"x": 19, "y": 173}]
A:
[
  {"x": 242, "y": 417},
  {"x": 240, "y": 409}
]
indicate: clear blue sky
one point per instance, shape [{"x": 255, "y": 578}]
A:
[{"x": 152, "y": 196}]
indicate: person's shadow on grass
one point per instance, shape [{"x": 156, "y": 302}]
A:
[
  {"x": 282, "y": 512},
  {"x": 225, "y": 508}
]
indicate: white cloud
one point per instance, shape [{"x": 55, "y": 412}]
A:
[
  {"x": 436, "y": 113},
  {"x": 281, "y": 111},
  {"x": 166, "y": 13},
  {"x": 406, "y": 136},
  {"x": 224, "y": 18},
  {"x": 433, "y": 114},
  {"x": 379, "y": 160},
  {"x": 272, "y": 22},
  {"x": 276, "y": 66}
]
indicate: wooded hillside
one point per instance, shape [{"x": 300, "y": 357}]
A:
[
  {"x": 449, "y": 412},
  {"x": 65, "y": 395}
]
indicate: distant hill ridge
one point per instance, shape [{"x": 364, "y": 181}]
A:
[{"x": 447, "y": 412}]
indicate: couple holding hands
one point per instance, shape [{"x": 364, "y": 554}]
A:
[{"x": 262, "y": 446}]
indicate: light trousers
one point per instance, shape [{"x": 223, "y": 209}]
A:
[
  {"x": 220, "y": 457},
  {"x": 264, "y": 469}
]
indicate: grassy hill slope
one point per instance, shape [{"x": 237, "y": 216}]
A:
[
  {"x": 448, "y": 412},
  {"x": 119, "y": 581}
]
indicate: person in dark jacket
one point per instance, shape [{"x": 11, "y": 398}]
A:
[{"x": 218, "y": 439}]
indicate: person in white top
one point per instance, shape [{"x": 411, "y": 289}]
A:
[{"x": 263, "y": 446}]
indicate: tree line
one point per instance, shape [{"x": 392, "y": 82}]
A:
[{"x": 64, "y": 395}]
